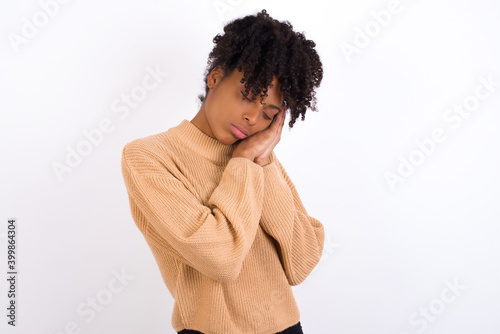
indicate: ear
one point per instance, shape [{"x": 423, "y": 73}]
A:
[{"x": 215, "y": 77}]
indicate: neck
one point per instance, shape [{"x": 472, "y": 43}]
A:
[{"x": 201, "y": 122}]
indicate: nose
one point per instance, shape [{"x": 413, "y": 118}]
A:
[{"x": 251, "y": 115}]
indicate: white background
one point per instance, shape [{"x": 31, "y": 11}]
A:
[{"x": 390, "y": 253}]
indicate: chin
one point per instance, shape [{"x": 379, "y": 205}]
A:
[
  {"x": 229, "y": 141},
  {"x": 227, "y": 138}
]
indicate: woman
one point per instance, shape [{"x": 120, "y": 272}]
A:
[{"x": 222, "y": 218}]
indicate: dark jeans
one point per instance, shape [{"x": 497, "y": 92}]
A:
[{"x": 295, "y": 329}]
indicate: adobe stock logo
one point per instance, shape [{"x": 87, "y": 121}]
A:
[
  {"x": 30, "y": 28},
  {"x": 427, "y": 146},
  {"x": 122, "y": 107},
  {"x": 97, "y": 303},
  {"x": 371, "y": 30},
  {"x": 222, "y": 6},
  {"x": 436, "y": 306}
]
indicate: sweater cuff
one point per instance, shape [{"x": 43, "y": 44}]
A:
[{"x": 273, "y": 177}]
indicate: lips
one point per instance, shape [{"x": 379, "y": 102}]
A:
[{"x": 239, "y": 132}]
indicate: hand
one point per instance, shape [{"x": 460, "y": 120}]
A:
[
  {"x": 258, "y": 147},
  {"x": 263, "y": 158}
]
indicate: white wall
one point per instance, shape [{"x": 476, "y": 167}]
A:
[{"x": 391, "y": 252}]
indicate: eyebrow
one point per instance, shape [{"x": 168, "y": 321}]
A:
[
  {"x": 269, "y": 105},
  {"x": 274, "y": 107}
]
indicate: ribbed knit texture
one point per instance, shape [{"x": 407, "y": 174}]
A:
[{"x": 229, "y": 236}]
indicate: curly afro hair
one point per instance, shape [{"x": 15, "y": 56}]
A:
[{"x": 264, "y": 47}]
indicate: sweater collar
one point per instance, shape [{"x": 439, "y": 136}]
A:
[{"x": 201, "y": 143}]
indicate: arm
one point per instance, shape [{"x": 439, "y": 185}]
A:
[
  {"x": 214, "y": 239},
  {"x": 300, "y": 237}
]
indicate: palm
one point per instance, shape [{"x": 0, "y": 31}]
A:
[{"x": 262, "y": 143}]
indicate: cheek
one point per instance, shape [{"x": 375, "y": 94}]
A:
[
  {"x": 219, "y": 105},
  {"x": 214, "y": 110}
]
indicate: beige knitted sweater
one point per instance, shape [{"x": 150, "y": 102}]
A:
[{"x": 230, "y": 237}]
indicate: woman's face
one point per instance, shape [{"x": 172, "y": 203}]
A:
[{"x": 226, "y": 109}]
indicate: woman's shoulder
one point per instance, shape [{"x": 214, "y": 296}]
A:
[{"x": 150, "y": 152}]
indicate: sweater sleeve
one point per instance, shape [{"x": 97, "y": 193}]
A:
[
  {"x": 300, "y": 237},
  {"x": 214, "y": 238}
]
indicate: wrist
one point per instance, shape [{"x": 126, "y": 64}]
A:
[
  {"x": 263, "y": 162},
  {"x": 243, "y": 155}
]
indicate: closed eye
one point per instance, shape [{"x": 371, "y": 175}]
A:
[{"x": 253, "y": 101}]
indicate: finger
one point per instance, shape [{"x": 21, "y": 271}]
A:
[
  {"x": 280, "y": 116},
  {"x": 276, "y": 121},
  {"x": 283, "y": 116}
]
